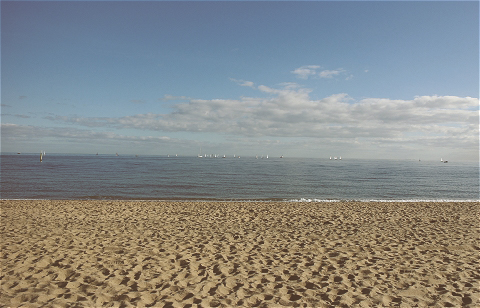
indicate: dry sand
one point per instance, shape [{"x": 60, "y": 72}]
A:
[{"x": 272, "y": 254}]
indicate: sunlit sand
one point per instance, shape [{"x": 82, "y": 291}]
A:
[{"x": 266, "y": 254}]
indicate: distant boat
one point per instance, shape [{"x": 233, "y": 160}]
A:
[
  {"x": 116, "y": 154},
  {"x": 41, "y": 156},
  {"x": 281, "y": 156},
  {"x": 200, "y": 155},
  {"x": 330, "y": 157},
  {"x": 267, "y": 156},
  {"x": 340, "y": 158},
  {"x": 224, "y": 156},
  {"x": 335, "y": 158},
  {"x": 19, "y": 153}
]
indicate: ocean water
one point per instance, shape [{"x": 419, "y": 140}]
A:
[{"x": 107, "y": 177}]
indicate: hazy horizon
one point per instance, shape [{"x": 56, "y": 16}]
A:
[{"x": 363, "y": 80}]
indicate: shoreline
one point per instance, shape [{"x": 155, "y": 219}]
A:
[
  {"x": 301, "y": 200},
  {"x": 239, "y": 253}
]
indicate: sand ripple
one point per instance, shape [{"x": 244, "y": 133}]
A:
[{"x": 221, "y": 254}]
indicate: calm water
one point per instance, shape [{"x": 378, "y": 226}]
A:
[{"x": 152, "y": 177}]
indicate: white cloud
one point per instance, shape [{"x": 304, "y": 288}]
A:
[
  {"x": 286, "y": 112},
  {"x": 168, "y": 97},
  {"x": 15, "y": 132},
  {"x": 306, "y": 71},
  {"x": 290, "y": 112},
  {"x": 331, "y": 73},
  {"x": 243, "y": 83}
]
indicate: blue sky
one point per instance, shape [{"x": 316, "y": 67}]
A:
[{"x": 312, "y": 79}]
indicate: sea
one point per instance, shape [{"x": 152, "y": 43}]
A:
[{"x": 124, "y": 177}]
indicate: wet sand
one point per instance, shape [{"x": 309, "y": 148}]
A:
[{"x": 260, "y": 254}]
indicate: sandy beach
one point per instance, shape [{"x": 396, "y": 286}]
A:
[{"x": 248, "y": 254}]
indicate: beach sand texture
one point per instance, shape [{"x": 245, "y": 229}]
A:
[{"x": 250, "y": 254}]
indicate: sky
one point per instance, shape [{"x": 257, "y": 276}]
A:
[{"x": 375, "y": 80}]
